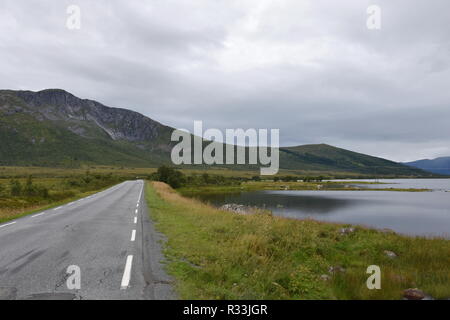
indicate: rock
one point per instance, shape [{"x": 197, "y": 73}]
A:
[
  {"x": 119, "y": 124},
  {"x": 347, "y": 230},
  {"x": 236, "y": 208},
  {"x": 325, "y": 277},
  {"x": 241, "y": 209},
  {"x": 336, "y": 269},
  {"x": 387, "y": 231},
  {"x": 390, "y": 254},
  {"x": 413, "y": 294}
]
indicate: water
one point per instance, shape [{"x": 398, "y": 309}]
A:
[
  {"x": 412, "y": 213},
  {"x": 432, "y": 184}
]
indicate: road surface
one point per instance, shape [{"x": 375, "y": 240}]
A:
[{"x": 107, "y": 239}]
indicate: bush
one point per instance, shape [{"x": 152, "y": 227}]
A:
[
  {"x": 15, "y": 188},
  {"x": 172, "y": 177},
  {"x": 29, "y": 190},
  {"x": 42, "y": 192},
  {"x": 90, "y": 182}
]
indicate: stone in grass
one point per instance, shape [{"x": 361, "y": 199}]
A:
[
  {"x": 336, "y": 269},
  {"x": 390, "y": 254},
  {"x": 413, "y": 294},
  {"x": 325, "y": 277},
  {"x": 347, "y": 230},
  {"x": 387, "y": 231}
]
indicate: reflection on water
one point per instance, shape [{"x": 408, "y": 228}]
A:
[{"x": 422, "y": 213}]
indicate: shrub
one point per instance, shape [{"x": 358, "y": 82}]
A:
[
  {"x": 172, "y": 177},
  {"x": 15, "y": 188},
  {"x": 29, "y": 190}
]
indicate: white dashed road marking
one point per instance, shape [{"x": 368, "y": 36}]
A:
[
  {"x": 133, "y": 235},
  {"x": 127, "y": 273},
  {"x": 39, "y": 214},
  {"x": 8, "y": 224}
]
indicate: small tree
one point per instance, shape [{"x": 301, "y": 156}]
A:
[
  {"x": 42, "y": 192},
  {"x": 29, "y": 189},
  {"x": 205, "y": 178},
  {"x": 15, "y": 188},
  {"x": 172, "y": 177}
]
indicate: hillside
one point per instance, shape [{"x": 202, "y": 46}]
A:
[
  {"x": 323, "y": 157},
  {"x": 439, "y": 165},
  {"x": 54, "y": 128}
]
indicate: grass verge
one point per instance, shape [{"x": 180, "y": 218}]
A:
[
  {"x": 14, "y": 213},
  {"x": 221, "y": 255}
]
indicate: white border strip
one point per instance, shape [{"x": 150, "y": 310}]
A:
[
  {"x": 39, "y": 214},
  {"x": 8, "y": 224},
  {"x": 127, "y": 273}
]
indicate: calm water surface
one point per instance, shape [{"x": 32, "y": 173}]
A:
[
  {"x": 413, "y": 213},
  {"x": 432, "y": 184}
]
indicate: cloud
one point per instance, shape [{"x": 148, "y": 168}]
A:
[{"x": 310, "y": 68}]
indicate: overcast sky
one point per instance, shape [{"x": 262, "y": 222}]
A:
[{"x": 311, "y": 68}]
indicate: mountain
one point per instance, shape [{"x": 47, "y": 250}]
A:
[
  {"x": 54, "y": 128},
  {"x": 323, "y": 157},
  {"x": 439, "y": 165}
]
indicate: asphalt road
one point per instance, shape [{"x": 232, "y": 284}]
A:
[{"x": 108, "y": 237}]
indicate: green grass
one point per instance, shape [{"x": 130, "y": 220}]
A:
[
  {"x": 58, "y": 190},
  {"x": 269, "y": 185},
  {"x": 220, "y": 255},
  {"x": 8, "y": 215}
]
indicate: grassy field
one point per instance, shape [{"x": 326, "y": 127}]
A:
[
  {"x": 20, "y": 196},
  {"x": 52, "y": 172},
  {"x": 272, "y": 185},
  {"x": 221, "y": 255},
  {"x": 57, "y": 173}
]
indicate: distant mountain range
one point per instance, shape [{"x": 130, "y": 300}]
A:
[
  {"x": 54, "y": 128},
  {"x": 439, "y": 165}
]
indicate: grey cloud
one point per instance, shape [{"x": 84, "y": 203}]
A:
[{"x": 310, "y": 68}]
